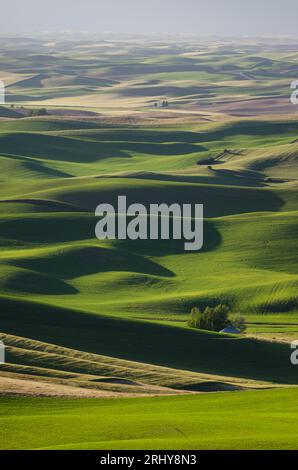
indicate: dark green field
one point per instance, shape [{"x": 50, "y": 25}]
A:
[{"x": 108, "y": 319}]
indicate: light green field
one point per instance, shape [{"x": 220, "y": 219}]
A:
[{"x": 235, "y": 420}]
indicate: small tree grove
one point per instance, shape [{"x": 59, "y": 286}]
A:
[{"x": 215, "y": 318}]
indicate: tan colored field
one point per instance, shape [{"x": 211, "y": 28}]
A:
[
  {"x": 10, "y": 78},
  {"x": 34, "y": 368}
]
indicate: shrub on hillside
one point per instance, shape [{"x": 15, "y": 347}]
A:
[
  {"x": 38, "y": 112},
  {"x": 215, "y": 319},
  {"x": 238, "y": 322},
  {"x": 212, "y": 318}
]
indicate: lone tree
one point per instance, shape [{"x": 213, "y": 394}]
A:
[{"x": 195, "y": 318}]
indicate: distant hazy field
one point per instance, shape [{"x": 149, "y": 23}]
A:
[{"x": 88, "y": 318}]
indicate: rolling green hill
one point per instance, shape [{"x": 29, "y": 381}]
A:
[
  {"x": 47, "y": 222},
  {"x": 87, "y": 318}
]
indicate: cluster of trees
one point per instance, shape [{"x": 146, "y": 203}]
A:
[
  {"x": 38, "y": 112},
  {"x": 215, "y": 319},
  {"x": 162, "y": 104},
  {"x": 32, "y": 112}
]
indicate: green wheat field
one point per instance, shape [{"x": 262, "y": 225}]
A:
[{"x": 98, "y": 351}]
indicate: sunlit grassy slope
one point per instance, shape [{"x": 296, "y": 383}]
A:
[
  {"x": 56, "y": 171},
  {"x": 227, "y": 140},
  {"x": 241, "y": 420},
  {"x": 47, "y": 223},
  {"x": 108, "y": 318}
]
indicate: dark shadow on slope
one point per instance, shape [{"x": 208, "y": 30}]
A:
[
  {"x": 140, "y": 135},
  {"x": 218, "y": 200},
  {"x": 212, "y": 239},
  {"x": 47, "y": 228},
  {"x": 90, "y": 260},
  {"x": 52, "y": 147},
  {"x": 115, "y": 380},
  {"x": 245, "y": 127},
  {"x": 150, "y": 343},
  {"x": 9, "y": 113},
  {"x": 240, "y": 178},
  {"x": 210, "y": 386},
  {"x": 164, "y": 90},
  {"x": 43, "y": 205},
  {"x": 250, "y": 127},
  {"x": 223, "y": 177},
  {"x": 32, "y": 166},
  {"x": 36, "y": 283}
]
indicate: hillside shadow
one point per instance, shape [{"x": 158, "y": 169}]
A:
[
  {"x": 249, "y": 127},
  {"x": 166, "y": 90},
  {"x": 212, "y": 239},
  {"x": 52, "y": 147},
  {"x": 45, "y": 228},
  {"x": 141, "y": 135},
  {"x": 37, "y": 283},
  {"x": 218, "y": 200},
  {"x": 58, "y": 148},
  {"x": 239, "y": 178},
  {"x": 91, "y": 260},
  {"x": 150, "y": 343},
  {"x": 223, "y": 177}
]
